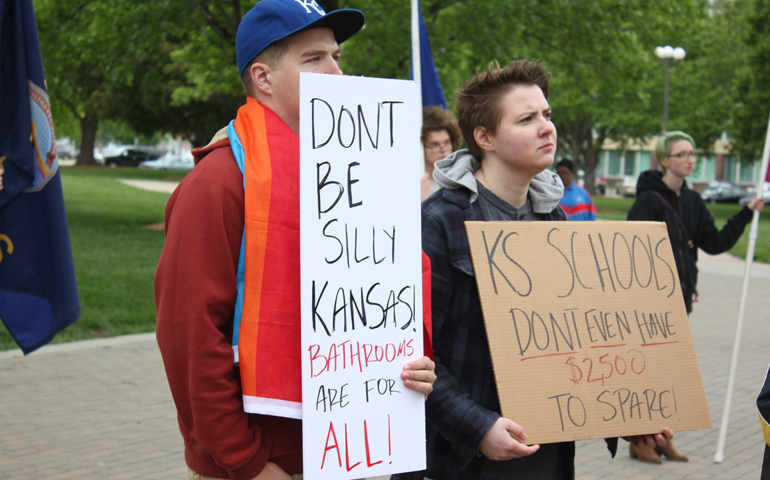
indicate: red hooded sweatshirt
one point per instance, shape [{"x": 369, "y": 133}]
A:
[{"x": 195, "y": 292}]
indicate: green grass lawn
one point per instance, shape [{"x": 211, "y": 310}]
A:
[
  {"x": 115, "y": 255},
  {"x": 617, "y": 209}
]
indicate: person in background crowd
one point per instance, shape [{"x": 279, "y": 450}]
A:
[
  {"x": 663, "y": 196},
  {"x": 197, "y": 280},
  {"x": 440, "y": 136},
  {"x": 576, "y": 202}
]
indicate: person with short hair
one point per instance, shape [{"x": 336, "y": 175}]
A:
[
  {"x": 663, "y": 196},
  {"x": 440, "y": 136},
  {"x": 243, "y": 196},
  {"x": 505, "y": 118},
  {"x": 576, "y": 202}
]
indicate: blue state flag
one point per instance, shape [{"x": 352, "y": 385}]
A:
[
  {"x": 432, "y": 91},
  {"x": 38, "y": 293}
]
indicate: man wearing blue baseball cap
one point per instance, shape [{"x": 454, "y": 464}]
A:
[{"x": 227, "y": 285}]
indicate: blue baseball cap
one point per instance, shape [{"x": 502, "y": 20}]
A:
[{"x": 273, "y": 20}]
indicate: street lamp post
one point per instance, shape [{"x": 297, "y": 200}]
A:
[{"x": 669, "y": 56}]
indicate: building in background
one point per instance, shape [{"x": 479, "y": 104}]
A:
[{"x": 620, "y": 164}]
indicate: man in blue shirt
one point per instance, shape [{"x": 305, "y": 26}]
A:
[{"x": 576, "y": 202}]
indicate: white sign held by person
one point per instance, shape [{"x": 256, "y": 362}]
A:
[{"x": 360, "y": 253}]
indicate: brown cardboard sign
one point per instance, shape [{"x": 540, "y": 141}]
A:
[{"x": 587, "y": 328}]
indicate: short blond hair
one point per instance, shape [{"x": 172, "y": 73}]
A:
[{"x": 663, "y": 145}]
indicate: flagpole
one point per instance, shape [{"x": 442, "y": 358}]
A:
[
  {"x": 416, "y": 70},
  {"x": 719, "y": 457},
  {"x": 416, "y": 66}
]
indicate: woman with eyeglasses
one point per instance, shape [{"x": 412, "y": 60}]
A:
[
  {"x": 663, "y": 196},
  {"x": 440, "y": 136}
]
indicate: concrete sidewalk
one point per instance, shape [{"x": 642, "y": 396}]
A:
[
  {"x": 713, "y": 325},
  {"x": 102, "y": 409},
  {"x": 163, "y": 186}
]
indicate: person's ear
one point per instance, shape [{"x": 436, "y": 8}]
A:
[
  {"x": 483, "y": 138},
  {"x": 663, "y": 161},
  {"x": 259, "y": 73}
]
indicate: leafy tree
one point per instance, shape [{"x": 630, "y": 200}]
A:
[
  {"x": 203, "y": 53},
  {"x": 87, "y": 63},
  {"x": 604, "y": 70},
  {"x": 752, "y": 97},
  {"x": 180, "y": 73},
  {"x": 703, "y": 87},
  {"x": 600, "y": 54},
  {"x": 117, "y": 63}
]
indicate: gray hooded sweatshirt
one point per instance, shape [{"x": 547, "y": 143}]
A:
[{"x": 456, "y": 171}]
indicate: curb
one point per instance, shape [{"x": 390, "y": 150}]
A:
[{"x": 82, "y": 345}]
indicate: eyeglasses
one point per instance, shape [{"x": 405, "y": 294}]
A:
[
  {"x": 685, "y": 155},
  {"x": 439, "y": 146}
]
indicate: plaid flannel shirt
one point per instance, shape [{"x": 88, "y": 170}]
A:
[{"x": 464, "y": 403}]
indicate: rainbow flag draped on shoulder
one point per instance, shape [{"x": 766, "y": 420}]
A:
[
  {"x": 38, "y": 294},
  {"x": 267, "y": 318},
  {"x": 266, "y": 327}
]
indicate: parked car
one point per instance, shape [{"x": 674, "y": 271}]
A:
[
  {"x": 600, "y": 183},
  {"x": 131, "y": 156},
  {"x": 627, "y": 188},
  {"x": 171, "y": 161},
  {"x": 722, "y": 192},
  {"x": 753, "y": 188},
  {"x": 98, "y": 156},
  {"x": 745, "y": 200}
]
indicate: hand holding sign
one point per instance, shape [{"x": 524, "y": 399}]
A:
[
  {"x": 501, "y": 442},
  {"x": 420, "y": 375},
  {"x": 651, "y": 441}
]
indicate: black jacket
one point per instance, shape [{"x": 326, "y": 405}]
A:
[
  {"x": 696, "y": 219},
  {"x": 464, "y": 402}
]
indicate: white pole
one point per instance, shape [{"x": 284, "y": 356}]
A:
[
  {"x": 417, "y": 72},
  {"x": 719, "y": 457},
  {"x": 416, "y": 67}
]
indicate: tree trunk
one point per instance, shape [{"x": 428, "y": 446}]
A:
[
  {"x": 591, "y": 156},
  {"x": 577, "y": 137},
  {"x": 88, "y": 126}
]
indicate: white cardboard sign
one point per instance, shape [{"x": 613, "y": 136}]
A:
[{"x": 361, "y": 278}]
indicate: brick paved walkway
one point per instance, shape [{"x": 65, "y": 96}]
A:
[
  {"x": 102, "y": 409},
  {"x": 713, "y": 326}
]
